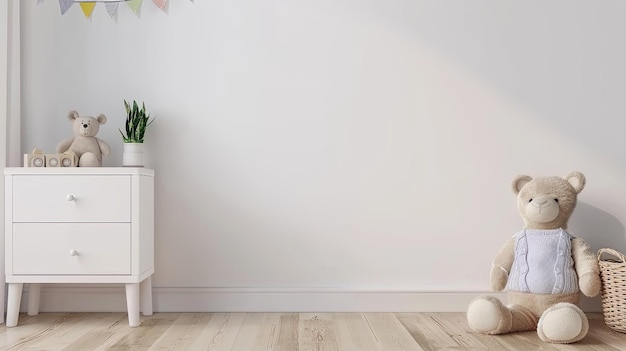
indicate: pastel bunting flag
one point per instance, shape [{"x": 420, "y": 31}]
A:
[
  {"x": 65, "y": 5},
  {"x": 160, "y": 3},
  {"x": 112, "y": 8},
  {"x": 134, "y": 5},
  {"x": 87, "y": 8}
]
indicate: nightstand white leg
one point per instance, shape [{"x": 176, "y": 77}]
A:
[
  {"x": 132, "y": 303},
  {"x": 146, "y": 296},
  {"x": 13, "y": 305},
  {"x": 34, "y": 293}
]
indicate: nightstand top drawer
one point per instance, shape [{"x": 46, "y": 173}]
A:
[{"x": 71, "y": 198}]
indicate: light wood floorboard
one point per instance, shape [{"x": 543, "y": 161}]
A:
[{"x": 279, "y": 332}]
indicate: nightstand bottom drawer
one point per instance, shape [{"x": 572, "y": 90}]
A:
[{"x": 71, "y": 248}]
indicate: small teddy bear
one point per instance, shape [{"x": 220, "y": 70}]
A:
[
  {"x": 544, "y": 267},
  {"x": 88, "y": 148}
]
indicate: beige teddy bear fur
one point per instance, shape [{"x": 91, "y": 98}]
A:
[
  {"x": 544, "y": 268},
  {"x": 88, "y": 148}
]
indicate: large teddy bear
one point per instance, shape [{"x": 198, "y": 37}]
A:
[
  {"x": 88, "y": 148},
  {"x": 544, "y": 267}
]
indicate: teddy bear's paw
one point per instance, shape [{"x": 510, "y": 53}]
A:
[
  {"x": 562, "y": 323},
  {"x": 487, "y": 315},
  {"x": 590, "y": 284},
  {"x": 88, "y": 159}
]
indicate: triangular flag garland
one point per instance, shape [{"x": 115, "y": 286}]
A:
[
  {"x": 160, "y": 3},
  {"x": 134, "y": 4},
  {"x": 65, "y": 5},
  {"x": 87, "y": 8},
  {"x": 111, "y": 7}
]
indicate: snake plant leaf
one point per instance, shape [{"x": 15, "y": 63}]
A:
[{"x": 137, "y": 121}]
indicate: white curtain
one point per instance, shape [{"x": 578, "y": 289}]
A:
[
  {"x": 4, "y": 70},
  {"x": 9, "y": 83},
  {"x": 12, "y": 85},
  {"x": 9, "y": 109}
]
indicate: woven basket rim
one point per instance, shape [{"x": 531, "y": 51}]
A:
[
  {"x": 612, "y": 252},
  {"x": 613, "y": 291}
]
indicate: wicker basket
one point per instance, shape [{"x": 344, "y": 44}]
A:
[{"x": 613, "y": 276}]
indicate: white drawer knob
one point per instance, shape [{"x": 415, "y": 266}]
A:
[
  {"x": 70, "y": 197},
  {"x": 73, "y": 252}
]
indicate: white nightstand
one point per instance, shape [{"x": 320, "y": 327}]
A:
[{"x": 79, "y": 225}]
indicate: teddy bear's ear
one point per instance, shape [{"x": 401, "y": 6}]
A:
[
  {"x": 72, "y": 115},
  {"x": 102, "y": 119},
  {"x": 519, "y": 182},
  {"x": 577, "y": 181}
]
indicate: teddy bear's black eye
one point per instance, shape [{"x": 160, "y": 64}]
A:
[
  {"x": 556, "y": 200},
  {"x": 530, "y": 200}
]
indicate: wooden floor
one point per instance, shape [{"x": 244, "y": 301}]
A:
[{"x": 279, "y": 332}]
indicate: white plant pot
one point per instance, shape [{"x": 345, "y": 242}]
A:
[{"x": 133, "y": 155}]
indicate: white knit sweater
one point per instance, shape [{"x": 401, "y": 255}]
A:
[{"x": 543, "y": 262}]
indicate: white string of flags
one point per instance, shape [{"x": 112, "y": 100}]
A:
[{"x": 111, "y": 6}]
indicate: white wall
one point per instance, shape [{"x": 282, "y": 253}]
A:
[{"x": 349, "y": 145}]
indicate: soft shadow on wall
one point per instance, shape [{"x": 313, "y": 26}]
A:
[{"x": 598, "y": 228}]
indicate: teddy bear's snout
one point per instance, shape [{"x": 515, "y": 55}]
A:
[
  {"x": 544, "y": 202},
  {"x": 84, "y": 129},
  {"x": 543, "y": 209}
]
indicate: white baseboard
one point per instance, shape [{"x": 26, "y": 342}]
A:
[{"x": 112, "y": 299}]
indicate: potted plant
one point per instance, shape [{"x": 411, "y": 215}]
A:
[{"x": 137, "y": 121}]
